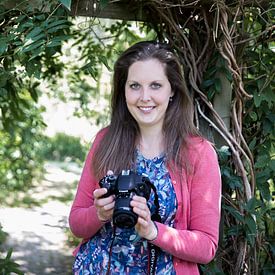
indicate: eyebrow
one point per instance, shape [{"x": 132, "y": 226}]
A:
[{"x": 157, "y": 80}]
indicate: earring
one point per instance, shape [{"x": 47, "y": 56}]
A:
[{"x": 170, "y": 98}]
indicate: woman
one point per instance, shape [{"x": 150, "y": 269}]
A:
[{"x": 151, "y": 132}]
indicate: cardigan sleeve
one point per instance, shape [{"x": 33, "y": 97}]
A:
[
  {"x": 83, "y": 219},
  {"x": 197, "y": 243}
]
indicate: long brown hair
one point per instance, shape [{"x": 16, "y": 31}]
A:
[{"x": 116, "y": 150}]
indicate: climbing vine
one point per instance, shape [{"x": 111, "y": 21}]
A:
[{"x": 227, "y": 52}]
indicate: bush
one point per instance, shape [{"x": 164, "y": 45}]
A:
[
  {"x": 20, "y": 162},
  {"x": 63, "y": 147},
  {"x": 7, "y": 265}
]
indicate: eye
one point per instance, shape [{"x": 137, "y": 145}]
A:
[
  {"x": 134, "y": 86},
  {"x": 155, "y": 85}
]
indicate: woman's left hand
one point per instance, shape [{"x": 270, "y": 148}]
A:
[{"x": 145, "y": 227}]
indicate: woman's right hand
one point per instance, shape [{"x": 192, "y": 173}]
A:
[{"x": 104, "y": 206}]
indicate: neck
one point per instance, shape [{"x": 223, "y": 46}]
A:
[{"x": 151, "y": 142}]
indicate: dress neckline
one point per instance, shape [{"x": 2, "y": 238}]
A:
[{"x": 161, "y": 156}]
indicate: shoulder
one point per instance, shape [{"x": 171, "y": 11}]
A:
[
  {"x": 99, "y": 135},
  {"x": 195, "y": 143},
  {"x": 199, "y": 149}
]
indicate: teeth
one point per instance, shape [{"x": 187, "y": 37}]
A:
[{"x": 146, "y": 108}]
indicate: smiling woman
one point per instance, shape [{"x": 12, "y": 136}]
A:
[
  {"x": 152, "y": 135},
  {"x": 148, "y": 92}
]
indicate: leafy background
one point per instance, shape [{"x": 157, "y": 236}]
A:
[{"x": 36, "y": 48}]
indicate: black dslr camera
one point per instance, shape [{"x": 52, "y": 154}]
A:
[{"x": 124, "y": 186}]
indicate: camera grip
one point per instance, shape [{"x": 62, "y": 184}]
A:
[{"x": 108, "y": 182}]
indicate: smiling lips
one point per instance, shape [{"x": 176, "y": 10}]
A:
[{"x": 146, "y": 109}]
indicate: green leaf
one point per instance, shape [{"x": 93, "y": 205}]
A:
[
  {"x": 268, "y": 127},
  {"x": 4, "y": 77},
  {"x": 253, "y": 116},
  {"x": 33, "y": 68},
  {"x": 252, "y": 144},
  {"x": 262, "y": 161},
  {"x": 57, "y": 41},
  {"x": 104, "y": 60},
  {"x": 34, "y": 94},
  {"x": 272, "y": 165},
  {"x": 9, "y": 254},
  {"x": 258, "y": 98},
  {"x": 251, "y": 229},
  {"x": 227, "y": 74},
  {"x": 36, "y": 52},
  {"x": 269, "y": 95},
  {"x": 269, "y": 124},
  {"x": 58, "y": 27},
  {"x": 33, "y": 46},
  {"x": 52, "y": 23},
  {"x": 218, "y": 85},
  {"x": 66, "y": 3},
  {"x": 262, "y": 184},
  {"x": 207, "y": 83},
  {"x": 234, "y": 230},
  {"x": 223, "y": 154},
  {"x": 41, "y": 17},
  {"x": 30, "y": 41},
  {"x": 210, "y": 72},
  {"x": 235, "y": 182},
  {"x": 211, "y": 93},
  {"x": 3, "y": 45},
  {"x": 251, "y": 224},
  {"x": 234, "y": 212},
  {"x": 33, "y": 33},
  {"x": 251, "y": 205}
]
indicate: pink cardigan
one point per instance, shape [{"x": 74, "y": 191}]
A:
[{"x": 195, "y": 236}]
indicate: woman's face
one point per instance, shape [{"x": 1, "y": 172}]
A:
[{"x": 147, "y": 92}]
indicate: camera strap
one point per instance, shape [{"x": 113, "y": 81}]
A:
[{"x": 154, "y": 250}]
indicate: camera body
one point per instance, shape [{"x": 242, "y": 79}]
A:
[{"x": 124, "y": 186}]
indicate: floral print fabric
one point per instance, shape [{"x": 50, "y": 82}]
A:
[{"x": 128, "y": 253}]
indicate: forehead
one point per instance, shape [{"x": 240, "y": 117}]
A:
[{"x": 149, "y": 69}]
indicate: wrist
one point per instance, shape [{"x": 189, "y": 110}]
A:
[
  {"x": 153, "y": 234},
  {"x": 101, "y": 219},
  {"x": 104, "y": 221}
]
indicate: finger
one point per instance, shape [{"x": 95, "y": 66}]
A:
[
  {"x": 109, "y": 206},
  {"x": 142, "y": 213},
  {"x": 101, "y": 202},
  {"x": 139, "y": 203},
  {"x": 142, "y": 222},
  {"x": 98, "y": 193},
  {"x": 110, "y": 172},
  {"x": 139, "y": 199}
]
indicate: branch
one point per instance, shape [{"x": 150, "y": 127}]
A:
[{"x": 235, "y": 153}]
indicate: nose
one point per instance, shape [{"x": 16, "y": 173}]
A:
[{"x": 145, "y": 95}]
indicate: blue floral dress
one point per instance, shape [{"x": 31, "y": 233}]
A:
[{"x": 129, "y": 253}]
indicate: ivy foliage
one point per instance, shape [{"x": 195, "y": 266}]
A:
[
  {"x": 252, "y": 220},
  {"x": 32, "y": 46}
]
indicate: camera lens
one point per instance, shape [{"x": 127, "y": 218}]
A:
[
  {"x": 125, "y": 220},
  {"x": 123, "y": 216}
]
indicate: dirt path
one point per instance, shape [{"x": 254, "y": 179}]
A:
[{"x": 37, "y": 235}]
